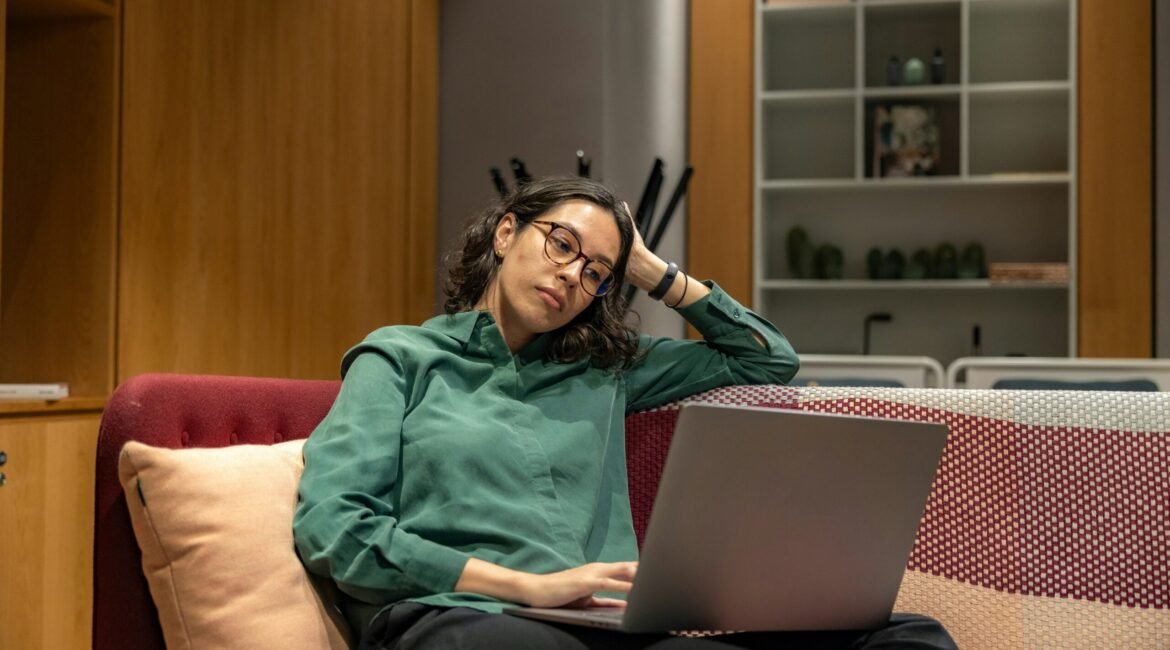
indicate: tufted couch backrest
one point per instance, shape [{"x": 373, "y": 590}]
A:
[{"x": 1048, "y": 524}]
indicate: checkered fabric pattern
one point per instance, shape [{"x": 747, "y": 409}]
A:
[{"x": 1048, "y": 524}]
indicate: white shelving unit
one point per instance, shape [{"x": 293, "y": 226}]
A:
[{"x": 1006, "y": 113}]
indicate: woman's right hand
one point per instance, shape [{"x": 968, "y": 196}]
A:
[{"x": 575, "y": 587}]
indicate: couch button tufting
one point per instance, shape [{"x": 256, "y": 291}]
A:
[
  {"x": 185, "y": 439},
  {"x": 234, "y": 438},
  {"x": 277, "y": 437}
]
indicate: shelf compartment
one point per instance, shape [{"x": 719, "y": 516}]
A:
[
  {"x": 808, "y": 139},
  {"x": 1012, "y": 222},
  {"x": 1012, "y": 132},
  {"x": 917, "y": 183},
  {"x": 790, "y": 36},
  {"x": 944, "y": 117},
  {"x": 831, "y": 322},
  {"x": 58, "y": 221},
  {"x": 912, "y": 30},
  {"x": 1019, "y": 40}
]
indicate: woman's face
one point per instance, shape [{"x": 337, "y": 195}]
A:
[{"x": 537, "y": 295}]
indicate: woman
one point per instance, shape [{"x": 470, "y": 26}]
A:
[{"x": 478, "y": 461}]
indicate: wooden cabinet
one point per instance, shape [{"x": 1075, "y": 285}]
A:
[
  {"x": 46, "y": 525},
  {"x": 57, "y": 260}
]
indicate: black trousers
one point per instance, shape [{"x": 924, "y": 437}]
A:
[{"x": 410, "y": 626}]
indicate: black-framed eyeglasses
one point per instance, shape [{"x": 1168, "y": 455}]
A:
[{"x": 562, "y": 247}]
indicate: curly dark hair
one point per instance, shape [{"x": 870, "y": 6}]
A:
[{"x": 598, "y": 332}]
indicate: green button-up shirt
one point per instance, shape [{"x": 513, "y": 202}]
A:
[{"x": 442, "y": 445}]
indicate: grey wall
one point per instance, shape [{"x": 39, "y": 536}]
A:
[
  {"x": 1162, "y": 179},
  {"x": 539, "y": 79}
]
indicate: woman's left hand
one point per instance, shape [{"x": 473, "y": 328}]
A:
[{"x": 644, "y": 269}]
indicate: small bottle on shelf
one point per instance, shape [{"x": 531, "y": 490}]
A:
[
  {"x": 938, "y": 67},
  {"x": 894, "y": 71}
]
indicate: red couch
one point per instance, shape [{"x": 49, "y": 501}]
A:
[{"x": 1048, "y": 524}]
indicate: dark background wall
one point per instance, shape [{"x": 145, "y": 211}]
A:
[{"x": 539, "y": 79}]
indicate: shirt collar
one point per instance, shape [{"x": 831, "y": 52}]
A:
[
  {"x": 459, "y": 326},
  {"x": 476, "y": 331}
]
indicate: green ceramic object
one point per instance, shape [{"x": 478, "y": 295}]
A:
[
  {"x": 922, "y": 259},
  {"x": 830, "y": 263},
  {"x": 914, "y": 72},
  {"x": 893, "y": 265},
  {"x": 946, "y": 263},
  {"x": 800, "y": 253},
  {"x": 914, "y": 270},
  {"x": 973, "y": 263}
]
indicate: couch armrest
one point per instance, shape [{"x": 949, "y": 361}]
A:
[{"x": 166, "y": 410}]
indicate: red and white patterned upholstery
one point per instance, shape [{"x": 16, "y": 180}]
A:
[{"x": 1048, "y": 523}]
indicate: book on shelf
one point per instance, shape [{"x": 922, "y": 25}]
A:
[
  {"x": 50, "y": 392},
  {"x": 1055, "y": 272}
]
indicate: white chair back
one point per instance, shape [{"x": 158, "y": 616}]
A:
[
  {"x": 868, "y": 370},
  {"x": 1059, "y": 372}
]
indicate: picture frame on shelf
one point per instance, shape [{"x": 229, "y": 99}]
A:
[{"x": 906, "y": 140}]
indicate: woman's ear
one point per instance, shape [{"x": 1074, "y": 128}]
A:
[{"x": 505, "y": 233}]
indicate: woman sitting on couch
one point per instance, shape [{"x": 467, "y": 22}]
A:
[{"x": 478, "y": 461}]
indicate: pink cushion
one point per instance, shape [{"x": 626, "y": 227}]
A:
[{"x": 215, "y": 530}]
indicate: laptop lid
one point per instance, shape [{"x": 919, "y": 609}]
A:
[{"x": 770, "y": 519}]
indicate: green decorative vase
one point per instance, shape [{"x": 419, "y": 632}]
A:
[{"x": 914, "y": 72}]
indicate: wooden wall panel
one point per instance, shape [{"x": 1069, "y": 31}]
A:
[
  {"x": 719, "y": 201},
  {"x": 273, "y": 202},
  {"x": 1115, "y": 211},
  {"x": 424, "y": 160}
]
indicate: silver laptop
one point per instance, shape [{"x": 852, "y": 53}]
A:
[{"x": 770, "y": 519}]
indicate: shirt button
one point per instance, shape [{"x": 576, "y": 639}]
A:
[{"x": 735, "y": 313}]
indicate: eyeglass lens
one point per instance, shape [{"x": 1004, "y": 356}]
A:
[{"x": 562, "y": 247}]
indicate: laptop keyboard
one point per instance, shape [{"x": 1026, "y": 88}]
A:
[{"x": 612, "y": 615}]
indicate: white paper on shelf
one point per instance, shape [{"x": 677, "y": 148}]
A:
[{"x": 34, "y": 391}]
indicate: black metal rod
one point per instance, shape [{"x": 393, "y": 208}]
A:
[
  {"x": 679, "y": 191},
  {"x": 498, "y": 180},
  {"x": 649, "y": 197},
  {"x": 520, "y": 171}
]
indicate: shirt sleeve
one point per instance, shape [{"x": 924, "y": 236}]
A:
[
  {"x": 345, "y": 526},
  {"x": 669, "y": 369}
]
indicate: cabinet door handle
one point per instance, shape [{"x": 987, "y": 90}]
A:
[{"x": 3, "y": 458}]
